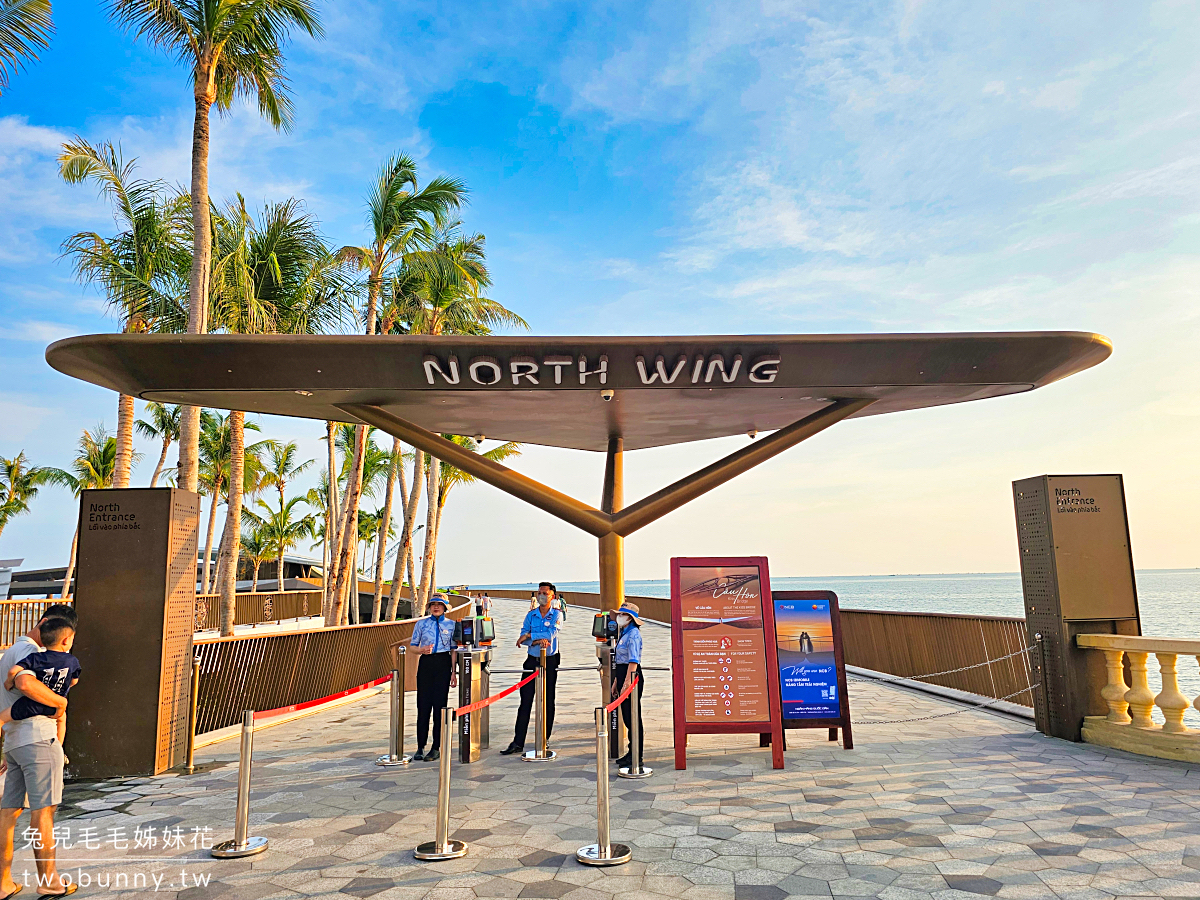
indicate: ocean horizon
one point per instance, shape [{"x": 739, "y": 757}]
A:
[{"x": 1167, "y": 598}]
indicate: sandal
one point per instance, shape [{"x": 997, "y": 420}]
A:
[
  {"x": 71, "y": 888},
  {"x": 13, "y": 894}
]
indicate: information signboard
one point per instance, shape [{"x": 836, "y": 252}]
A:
[
  {"x": 724, "y": 662},
  {"x": 811, "y": 672}
]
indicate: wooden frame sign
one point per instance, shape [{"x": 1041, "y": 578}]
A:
[
  {"x": 811, "y": 669},
  {"x": 724, "y": 668}
]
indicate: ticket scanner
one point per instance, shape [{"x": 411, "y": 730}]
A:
[
  {"x": 605, "y": 631},
  {"x": 473, "y": 635}
]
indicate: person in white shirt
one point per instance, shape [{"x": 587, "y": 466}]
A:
[{"x": 33, "y": 760}]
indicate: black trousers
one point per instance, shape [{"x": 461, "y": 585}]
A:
[
  {"x": 627, "y": 706},
  {"x": 527, "y": 694},
  {"x": 433, "y": 688}
]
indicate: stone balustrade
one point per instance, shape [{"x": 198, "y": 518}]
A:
[{"x": 1128, "y": 725}]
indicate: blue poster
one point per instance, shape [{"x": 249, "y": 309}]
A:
[{"x": 808, "y": 682}]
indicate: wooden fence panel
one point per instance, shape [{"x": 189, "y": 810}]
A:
[
  {"x": 913, "y": 645},
  {"x": 271, "y": 671}
]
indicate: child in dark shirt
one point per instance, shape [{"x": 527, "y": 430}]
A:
[{"x": 54, "y": 667}]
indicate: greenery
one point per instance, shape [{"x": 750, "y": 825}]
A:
[
  {"x": 25, "y": 28},
  {"x": 178, "y": 261}
]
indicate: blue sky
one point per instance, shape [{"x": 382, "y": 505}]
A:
[{"x": 664, "y": 168}]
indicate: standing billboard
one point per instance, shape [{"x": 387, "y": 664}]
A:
[
  {"x": 723, "y": 651},
  {"x": 811, "y": 671}
]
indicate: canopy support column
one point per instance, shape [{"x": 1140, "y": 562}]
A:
[{"x": 612, "y": 545}]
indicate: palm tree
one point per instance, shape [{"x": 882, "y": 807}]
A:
[
  {"x": 271, "y": 273},
  {"x": 396, "y": 467},
  {"x": 233, "y": 48},
  {"x": 256, "y": 549},
  {"x": 281, "y": 467},
  {"x": 19, "y": 483},
  {"x": 25, "y": 28},
  {"x": 279, "y": 530},
  {"x": 216, "y": 461},
  {"x": 449, "y": 477},
  {"x": 141, "y": 270},
  {"x": 402, "y": 219},
  {"x": 438, "y": 290},
  {"x": 94, "y": 467},
  {"x": 163, "y": 426}
]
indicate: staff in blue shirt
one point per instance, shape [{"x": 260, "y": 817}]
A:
[
  {"x": 540, "y": 629},
  {"x": 433, "y": 640},
  {"x": 628, "y": 657}
]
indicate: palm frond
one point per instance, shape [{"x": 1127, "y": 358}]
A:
[{"x": 25, "y": 29}]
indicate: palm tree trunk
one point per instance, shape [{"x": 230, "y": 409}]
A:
[
  {"x": 437, "y": 530},
  {"x": 162, "y": 459},
  {"x": 189, "y": 420},
  {"x": 212, "y": 526},
  {"x": 279, "y": 570},
  {"x": 66, "y": 588},
  {"x": 124, "y": 460},
  {"x": 384, "y": 523},
  {"x": 346, "y": 562},
  {"x": 328, "y": 552},
  {"x": 254, "y": 579},
  {"x": 405, "y": 542},
  {"x": 431, "y": 499},
  {"x": 222, "y": 549},
  {"x": 189, "y": 449},
  {"x": 233, "y": 519}
]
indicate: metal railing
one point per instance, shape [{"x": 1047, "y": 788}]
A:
[
  {"x": 18, "y": 616},
  {"x": 275, "y": 671},
  {"x": 909, "y": 645},
  {"x": 257, "y": 608}
]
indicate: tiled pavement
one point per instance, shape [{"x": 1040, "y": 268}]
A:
[{"x": 951, "y": 808}]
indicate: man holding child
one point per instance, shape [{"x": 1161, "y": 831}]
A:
[{"x": 37, "y": 671}]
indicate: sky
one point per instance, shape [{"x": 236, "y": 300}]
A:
[{"x": 660, "y": 168}]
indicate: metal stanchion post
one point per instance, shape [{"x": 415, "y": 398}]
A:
[
  {"x": 485, "y": 686},
  {"x": 441, "y": 847},
  {"x": 635, "y": 769},
  {"x": 603, "y": 852},
  {"x": 395, "y": 755},
  {"x": 540, "y": 753},
  {"x": 193, "y": 711},
  {"x": 242, "y": 844}
]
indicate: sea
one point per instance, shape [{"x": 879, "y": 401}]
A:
[{"x": 1169, "y": 601}]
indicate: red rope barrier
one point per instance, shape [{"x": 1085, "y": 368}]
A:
[
  {"x": 621, "y": 699},
  {"x": 297, "y": 707},
  {"x": 472, "y": 707}
]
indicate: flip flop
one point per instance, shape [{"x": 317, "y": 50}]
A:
[
  {"x": 71, "y": 888},
  {"x": 13, "y": 894}
]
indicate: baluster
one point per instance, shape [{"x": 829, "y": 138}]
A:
[
  {"x": 1114, "y": 692},
  {"x": 1139, "y": 697},
  {"x": 1196, "y": 702},
  {"x": 1171, "y": 701}
]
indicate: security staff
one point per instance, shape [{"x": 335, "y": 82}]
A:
[
  {"x": 540, "y": 629},
  {"x": 628, "y": 657},
  {"x": 433, "y": 639}
]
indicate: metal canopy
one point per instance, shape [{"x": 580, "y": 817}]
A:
[
  {"x": 549, "y": 390},
  {"x": 611, "y": 394}
]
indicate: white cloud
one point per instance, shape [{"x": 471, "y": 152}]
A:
[{"x": 38, "y": 332}]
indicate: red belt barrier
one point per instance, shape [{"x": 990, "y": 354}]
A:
[
  {"x": 283, "y": 710},
  {"x": 621, "y": 699},
  {"x": 471, "y": 707}
]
